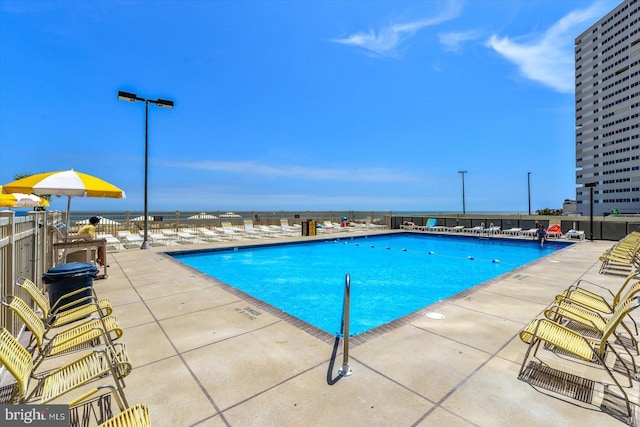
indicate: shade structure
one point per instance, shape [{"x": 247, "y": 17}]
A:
[
  {"x": 21, "y": 200},
  {"x": 230, "y": 215},
  {"x": 103, "y": 220},
  {"x": 141, "y": 218},
  {"x": 203, "y": 215},
  {"x": 65, "y": 183}
]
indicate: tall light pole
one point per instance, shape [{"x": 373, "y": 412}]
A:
[
  {"x": 529, "y": 190},
  {"x": 162, "y": 103},
  {"x": 590, "y": 186},
  {"x": 464, "y": 209}
]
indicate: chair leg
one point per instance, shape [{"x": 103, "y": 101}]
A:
[
  {"x": 635, "y": 325},
  {"x": 534, "y": 342},
  {"x": 633, "y": 362},
  {"x": 602, "y": 362}
]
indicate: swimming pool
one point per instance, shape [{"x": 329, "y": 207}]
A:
[{"x": 391, "y": 275}]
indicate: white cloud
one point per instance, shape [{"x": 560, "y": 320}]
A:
[
  {"x": 549, "y": 58},
  {"x": 452, "y": 41},
  {"x": 388, "y": 39},
  {"x": 250, "y": 168}
]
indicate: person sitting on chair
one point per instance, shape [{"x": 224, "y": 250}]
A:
[{"x": 90, "y": 229}]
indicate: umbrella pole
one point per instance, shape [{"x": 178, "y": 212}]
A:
[{"x": 68, "y": 218}]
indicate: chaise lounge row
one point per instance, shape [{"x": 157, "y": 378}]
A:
[
  {"x": 623, "y": 255},
  {"x": 585, "y": 331},
  {"x": 553, "y": 230},
  {"x": 59, "y": 330},
  {"x": 126, "y": 239}
]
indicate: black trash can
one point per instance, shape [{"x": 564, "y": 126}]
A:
[
  {"x": 67, "y": 278},
  {"x": 305, "y": 228}
]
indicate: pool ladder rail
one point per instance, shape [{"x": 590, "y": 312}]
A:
[
  {"x": 486, "y": 233},
  {"x": 345, "y": 371}
]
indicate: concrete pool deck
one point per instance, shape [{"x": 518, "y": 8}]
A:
[{"x": 204, "y": 356}]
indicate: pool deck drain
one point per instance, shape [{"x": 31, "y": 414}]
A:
[
  {"x": 435, "y": 316},
  {"x": 204, "y": 356}
]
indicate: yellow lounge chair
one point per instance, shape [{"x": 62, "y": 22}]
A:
[
  {"x": 565, "y": 310},
  {"x": 619, "y": 260},
  {"x": 585, "y": 348},
  {"x": 58, "y": 382},
  {"x": 617, "y": 265},
  {"x": 86, "y": 333},
  {"x": 135, "y": 416},
  {"x": 621, "y": 252},
  {"x": 54, "y": 316},
  {"x": 593, "y": 301},
  {"x": 624, "y": 253}
]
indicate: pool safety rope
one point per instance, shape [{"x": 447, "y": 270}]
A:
[{"x": 470, "y": 258}]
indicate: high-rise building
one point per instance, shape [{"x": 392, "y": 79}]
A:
[{"x": 607, "y": 57}]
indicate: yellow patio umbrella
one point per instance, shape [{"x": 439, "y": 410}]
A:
[
  {"x": 21, "y": 200},
  {"x": 65, "y": 183}
]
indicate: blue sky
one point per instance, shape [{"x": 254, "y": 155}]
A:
[{"x": 297, "y": 105}]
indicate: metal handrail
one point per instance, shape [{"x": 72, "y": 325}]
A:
[{"x": 345, "y": 371}]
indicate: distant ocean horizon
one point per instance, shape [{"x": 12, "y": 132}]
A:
[{"x": 78, "y": 215}]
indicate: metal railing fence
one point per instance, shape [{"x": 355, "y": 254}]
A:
[
  {"x": 604, "y": 228},
  {"x": 25, "y": 251},
  {"x": 133, "y": 221}
]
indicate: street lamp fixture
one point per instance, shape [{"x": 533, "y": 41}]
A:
[
  {"x": 464, "y": 209},
  {"x": 132, "y": 97},
  {"x": 162, "y": 103},
  {"x": 529, "y": 190}
]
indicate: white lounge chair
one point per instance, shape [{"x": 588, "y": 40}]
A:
[
  {"x": 209, "y": 235},
  {"x": 111, "y": 240},
  {"x": 170, "y": 234},
  {"x": 270, "y": 231},
  {"x": 250, "y": 231},
  {"x": 475, "y": 230},
  {"x": 159, "y": 239},
  {"x": 528, "y": 233},
  {"x": 513, "y": 231},
  {"x": 186, "y": 237},
  {"x": 368, "y": 223},
  {"x": 287, "y": 229},
  {"x": 156, "y": 238},
  {"x": 229, "y": 231},
  {"x": 491, "y": 230},
  {"x": 122, "y": 234},
  {"x": 578, "y": 234},
  {"x": 126, "y": 236},
  {"x": 328, "y": 226},
  {"x": 130, "y": 240}
]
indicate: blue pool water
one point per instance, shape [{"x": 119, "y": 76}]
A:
[{"x": 391, "y": 275}]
